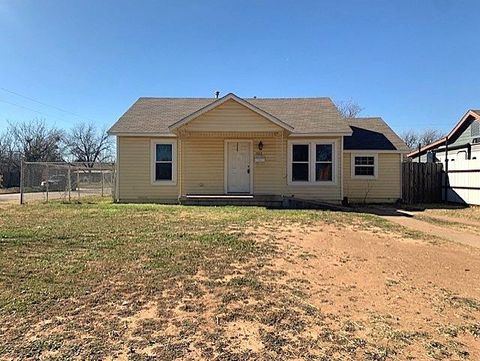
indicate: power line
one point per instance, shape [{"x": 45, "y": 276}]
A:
[
  {"x": 32, "y": 110},
  {"x": 44, "y": 104}
]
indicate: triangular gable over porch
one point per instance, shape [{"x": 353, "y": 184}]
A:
[{"x": 231, "y": 113}]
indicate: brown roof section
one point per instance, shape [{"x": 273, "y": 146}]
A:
[
  {"x": 305, "y": 115},
  {"x": 373, "y": 134}
]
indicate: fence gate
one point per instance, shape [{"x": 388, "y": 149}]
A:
[
  {"x": 462, "y": 181},
  {"x": 422, "y": 182}
]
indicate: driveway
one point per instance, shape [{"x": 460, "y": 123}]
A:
[{"x": 451, "y": 228}]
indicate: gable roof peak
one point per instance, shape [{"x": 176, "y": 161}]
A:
[{"x": 220, "y": 101}]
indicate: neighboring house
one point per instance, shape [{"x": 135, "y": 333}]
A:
[
  {"x": 463, "y": 142},
  {"x": 459, "y": 152},
  {"x": 175, "y": 149}
]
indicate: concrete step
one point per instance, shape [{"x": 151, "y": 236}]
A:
[{"x": 270, "y": 201}]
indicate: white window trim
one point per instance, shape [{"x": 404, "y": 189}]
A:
[
  {"x": 311, "y": 159},
  {"x": 153, "y": 161},
  {"x": 375, "y": 166}
]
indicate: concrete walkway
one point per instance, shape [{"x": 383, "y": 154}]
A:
[{"x": 445, "y": 232}]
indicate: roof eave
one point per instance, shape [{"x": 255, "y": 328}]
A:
[
  {"x": 140, "y": 134},
  {"x": 321, "y": 134}
]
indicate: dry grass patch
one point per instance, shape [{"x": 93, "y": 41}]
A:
[{"x": 106, "y": 281}]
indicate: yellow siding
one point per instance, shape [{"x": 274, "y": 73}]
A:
[
  {"x": 385, "y": 188},
  {"x": 203, "y": 164},
  {"x": 231, "y": 116},
  {"x": 134, "y": 168},
  {"x": 200, "y": 168},
  {"x": 202, "y": 160},
  {"x": 269, "y": 177}
]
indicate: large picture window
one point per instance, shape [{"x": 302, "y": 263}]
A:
[
  {"x": 164, "y": 162},
  {"x": 364, "y": 166},
  {"x": 311, "y": 162}
]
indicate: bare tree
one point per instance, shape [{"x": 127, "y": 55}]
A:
[
  {"x": 9, "y": 161},
  {"x": 37, "y": 142},
  {"x": 429, "y": 136},
  {"x": 349, "y": 108},
  {"x": 413, "y": 139},
  {"x": 410, "y": 137},
  {"x": 86, "y": 144}
]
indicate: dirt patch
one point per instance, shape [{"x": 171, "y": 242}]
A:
[
  {"x": 142, "y": 282},
  {"x": 396, "y": 293}
]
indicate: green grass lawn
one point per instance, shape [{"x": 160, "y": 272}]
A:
[
  {"x": 78, "y": 281},
  {"x": 61, "y": 259}
]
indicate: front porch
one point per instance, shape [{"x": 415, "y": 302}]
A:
[{"x": 267, "y": 200}]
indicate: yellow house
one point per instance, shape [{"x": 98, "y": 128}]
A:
[{"x": 218, "y": 151}]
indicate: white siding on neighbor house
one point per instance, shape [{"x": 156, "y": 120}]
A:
[
  {"x": 385, "y": 188},
  {"x": 134, "y": 172}
]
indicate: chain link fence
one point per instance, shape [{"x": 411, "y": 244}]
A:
[{"x": 44, "y": 181}]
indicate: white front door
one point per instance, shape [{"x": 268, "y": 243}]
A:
[{"x": 238, "y": 167}]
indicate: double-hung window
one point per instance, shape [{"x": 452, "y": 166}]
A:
[
  {"x": 323, "y": 162},
  {"x": 311, "y": 162},
  {"x": 300, "y": 162},
  {"x": 164, "y": 162},
  {"x": 364, "y": 165}
]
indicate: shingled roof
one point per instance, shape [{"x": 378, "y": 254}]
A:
[
  {"x": 373, "y": 134},
  {"x": 304, "y": 115}
]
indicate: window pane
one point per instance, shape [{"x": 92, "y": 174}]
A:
[
  {"x": 365, "y": 170},
  {"x": 163, "y": 171},
  {"x": 364, "y": 160},
  {"x": 323, "y": 172},
  {"x": 324, "y": 152},
  {"x": 164, "y": 152},
  {"x": 300, "y": 152},
  {"x": 300, "y": 172}
]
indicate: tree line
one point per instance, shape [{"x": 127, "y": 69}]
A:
[{"x": 35, "y": 141}]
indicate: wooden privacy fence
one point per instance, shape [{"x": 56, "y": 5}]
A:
[{"x": 422, "y": 182}]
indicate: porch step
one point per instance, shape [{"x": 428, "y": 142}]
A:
[{"x": 270, "y": 201}]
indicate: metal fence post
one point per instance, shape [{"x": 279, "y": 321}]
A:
[
  {"x": 22, "y": 176},
  {"x": 102, "y": 181},
  {"x": 47, "y": 182},
  {"x": 78, "y": 184},
  {"x": 69, "y": 184}
]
